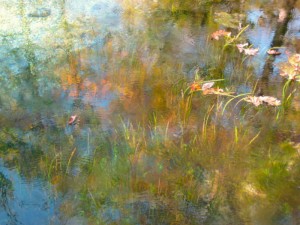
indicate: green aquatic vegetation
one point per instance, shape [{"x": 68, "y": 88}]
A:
[
  {"x": 145, "y": 127},
  {"x": 6, "y": 187},
  {"x": 230, "y": 40},
  {"x": 274, "y": 180},
  {"x": 207, "y": 88},
  {"x": 229, "y": 20},
  {"x": 289, "y": 70}
]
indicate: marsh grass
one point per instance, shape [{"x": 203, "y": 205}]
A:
[
  {"x": 166, "y": 166},
  {"x": 160, "y": 153}
]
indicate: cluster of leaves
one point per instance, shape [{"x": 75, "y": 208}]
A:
[
  {"x": 207, "y": 88},
  {"x": 247, "y": 51},
  {"x": 259, "y": 100}
]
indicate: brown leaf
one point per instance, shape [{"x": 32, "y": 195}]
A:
[
  {"x": 295, "y": 60},
  {"x": 258, "y": 100},
  {"x": 291, "y": 69},
  {"x": 207, "y": 85},
  {"x": 241, "y": 47},
  {"x": 273, "y": 52},
  {"x": 288, "y": 71},
  {"x": 251, "y": 51},
  {"x": 195, "y": 87},
  {"x": 282, "y": 15},
  {"x": 220, "y": 33},
  {"x": 213, "y": 91},
  {"x": 254, "y": 100},
  {"x": 72, "y": 119},
  {"x": 270, "y": 100}
]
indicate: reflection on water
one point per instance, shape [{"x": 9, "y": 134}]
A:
[
  {"x": 141, "y": 149},
  {"x": 26, "y": 199}
]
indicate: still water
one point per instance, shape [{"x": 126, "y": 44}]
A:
[{"x": 105, "y": 119}]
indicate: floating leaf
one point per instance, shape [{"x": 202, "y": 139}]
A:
[
  {"x": 273, "y": 52},
  {"x": 207, "y": 85},
  {"x": 291, "y": 69},
  {"x": 72, "y": 119},
  {"x": 258, "y": 100},
  {"x": 220, "y": 33},
  {"x": 282, "y": 15},
  {"x": 254, "y": 100},
  {"x": 241, "y": 47},
  {"x": 195, "y": 87},
  {"x": 295, "y": 60},
  {"x": 270, "y": 100},
  {"x": 288, "y": 71},
  {"x": 247, "y": 51},
  {"x": 213, "y": 91},
  {"x": 251, "y": 51}
]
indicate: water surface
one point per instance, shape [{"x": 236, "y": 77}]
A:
[{"x": 143, "y": 149}]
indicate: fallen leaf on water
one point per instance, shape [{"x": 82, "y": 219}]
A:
[
  {"x": 289, "y": 72},
  {"x": 291, "y": 69},
  {"x": 195, "y": 87},
  {"x": 251, "y": 51},
  {"x": 295, "y": 60},
  {"x": 220, "y": 33},
  {"x": 270, "y": 100},
  {"x": 241, "y": 47},
  {"x": 72, "y": 119},
  {"x": 258, "y": 100},
  {"x": 207, "y": 85},
  {"x": 207, "y": 89},
  {"x": 273, "y": 52},
  {"x": 282, "y": 15},
  {"x": 213, "y": 91},
  {"x": 254, "y": 100}
]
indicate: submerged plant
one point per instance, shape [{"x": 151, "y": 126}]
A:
[
  {"x": 232, "y": 20},
  {"x": 229, "y": 39}
]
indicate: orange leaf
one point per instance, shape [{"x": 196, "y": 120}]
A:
[
  {"x": 220, "y": 33},
  {"x": 72, "y": 119},
  {"x": 195, "y": 87}
]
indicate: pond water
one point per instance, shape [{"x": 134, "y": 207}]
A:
[{"x": 138, "y": 112}]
